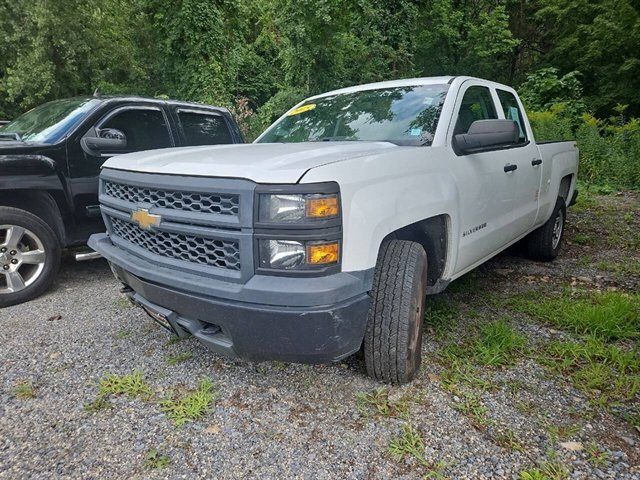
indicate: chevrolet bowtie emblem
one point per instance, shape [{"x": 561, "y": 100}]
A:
[{"x": 144, "y": 219}]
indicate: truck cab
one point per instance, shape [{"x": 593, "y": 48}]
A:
[
  {"x": 328, "y": 233},
  {"x": 50, "y": 160}
]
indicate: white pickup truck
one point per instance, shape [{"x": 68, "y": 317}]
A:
[{"x": 327, "y": 233}]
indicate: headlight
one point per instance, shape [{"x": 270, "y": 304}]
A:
[
  {"x": 298, "y": 208},
  {"x": 298, "y": 255}
]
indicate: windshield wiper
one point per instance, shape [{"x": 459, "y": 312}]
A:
[{"x": 11, "y": 136}]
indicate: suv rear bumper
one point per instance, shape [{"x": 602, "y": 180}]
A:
[{"x": 330, "y": 327}]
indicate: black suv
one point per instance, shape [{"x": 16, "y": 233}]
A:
[{"x": 50, "y": 159}]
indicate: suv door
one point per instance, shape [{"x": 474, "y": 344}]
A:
[
  {"x": 202, "y": 127},
  {"x": 145, "y": 127},
  {"x": 486, "y": 190},
  {"x": 526, "y": 157}
]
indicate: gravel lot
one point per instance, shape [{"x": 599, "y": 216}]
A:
[{"x": 274, "y": 420}]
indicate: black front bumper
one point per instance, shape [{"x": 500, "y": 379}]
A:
[{"x": 257, "y": 332}]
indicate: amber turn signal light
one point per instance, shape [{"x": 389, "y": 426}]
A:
[
  {"x": 323, "y": 207},
  {"x": 323, "y": 253}
]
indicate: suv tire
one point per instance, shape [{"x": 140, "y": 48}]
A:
[
  {"x": 544, "y": 243},
  {"x": 393, "y": 337},
  {"x": 29, "y": 256}
]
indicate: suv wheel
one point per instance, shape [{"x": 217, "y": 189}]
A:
[
  {"x": 393, "y": 338},
  {"x": 29, "y": 256},
  {"x": 545, "y": 242}
]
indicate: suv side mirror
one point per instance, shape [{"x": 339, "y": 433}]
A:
[
  {"x": 108, "y": 140},
  {"x": 483, "y": 134}
]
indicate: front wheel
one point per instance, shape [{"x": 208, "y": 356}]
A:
[
  {"x": 393, "y": 338},
  {"x": 29, "y": 256}
]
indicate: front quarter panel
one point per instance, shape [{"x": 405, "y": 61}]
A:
[{"x": 384, "y": 192}]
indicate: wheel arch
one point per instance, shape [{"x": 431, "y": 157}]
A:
[
  {"x": 433, "y": 234},
  {"x": 40, "y": 203}
]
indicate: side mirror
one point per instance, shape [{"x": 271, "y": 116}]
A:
[
  {"x": 484, "y": 134},
  {"x": 108, "y": 140}
]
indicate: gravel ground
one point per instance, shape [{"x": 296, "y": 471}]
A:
[{"x": 274, "y": 420}]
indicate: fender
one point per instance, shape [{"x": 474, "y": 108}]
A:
[
  {"x": 371, "y": 214},
  {"x": 560, "y": 160},
  {"x": 29, "y": 172}
]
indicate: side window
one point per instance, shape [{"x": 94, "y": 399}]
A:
[
  {"x": 144, "y": 129},
  {"x": 204, "y": 128},
  {"x": 512, "y": 112},
  {"x": 477, "y": 104}
]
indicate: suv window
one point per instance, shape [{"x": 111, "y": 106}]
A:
[
  {"x": 512, "y": 112},
  {"x": 145, "y": 129},
  {"x": 477, "y": 104},
  {"x": 204, "y": 128}
]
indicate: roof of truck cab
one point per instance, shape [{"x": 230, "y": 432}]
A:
[
  {"x": 405, "y": 82},
  {"x": 138, "y": 98}
]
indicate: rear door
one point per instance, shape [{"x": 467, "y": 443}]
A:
[
  {"x": 526, "y": 157},
  {"x": 203, "y": 127}
]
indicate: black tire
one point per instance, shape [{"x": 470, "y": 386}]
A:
[
  {"x": 393, "y": 338},
  {"x": 41, "y": 277},
  {"x": 544, "y": 244}
]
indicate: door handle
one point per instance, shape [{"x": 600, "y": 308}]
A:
[
  {"x": 536, "y": 161},
  {"x": 510, "y": 168}
]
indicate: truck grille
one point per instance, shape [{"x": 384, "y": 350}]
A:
[
  {"x": 190, "y": 248},
  {"x": 223, "y": 204}
]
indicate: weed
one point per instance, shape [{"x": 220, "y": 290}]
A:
[
  {"x": 123, "y": 334},
  {"x": 179, "y": 358},
  {"x": 465, "y": 284},
  {"x": 609, "y": 315},
  {"x": 582, "y": 239},
  {"x": 471, "y": 406},
  {"x": 377, "y": 403},
  {"x": 547, "y": 470},
  {"x": 192, "y": 406},
  {"x": 562, "y": 432},
  {"x": 596, "y": 455},
  {"x": 175, "y": 339},
  {"x": 124, "y": 303},
  {"x": 630, "y": 267},
  {"x": 132, "y": 385},
  {"x": 462, "y": 373},
  {"x": 509, "y": 440},
  {"x": 497, "y": 344},
  {"x": 440, "y": 314},
  {"x": 155, "y": 460},
  {"x": 100, "y": 403},
  {"x": 606, "y": 372},
  {"x": 408, "y": 443},
  {"x": 24, "y": 390}
]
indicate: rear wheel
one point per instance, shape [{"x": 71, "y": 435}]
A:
[
  {"x": 545, "y": 242},
  {"x": 29, "y": 256},
  {"x": 393, "y": 338}
]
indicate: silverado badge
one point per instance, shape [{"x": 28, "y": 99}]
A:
[{"x": 144, "y": 219}]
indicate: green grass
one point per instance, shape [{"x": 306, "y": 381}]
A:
[
  {"x": 191, "y": 406},
  {"x": 179, "y": 358},
  {"x": 377, "y": 403},
  {"x": 100, "y": 403},
  {"x": 582, "y": 239},
  {"x": 472, "y": 407},
  {"x": 441, "y": 314},
  {"x": 562, "y": 432},
  {"x": 630, "y": 267},
  {"x": 609, "y": 315},
  {"x": 601, "y": 370},
  {"x": 409, "y": 443},
  {"x": 24, "y": 390},
  {"x": 596, "y": 455},
  {"x": 509, "y": 440},
  {"x": 155, "y": 460},
  {"x": 131, "y": 385}
]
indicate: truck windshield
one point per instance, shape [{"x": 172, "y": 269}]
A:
[
  {"x": 401, "y": 115},
  {"x": 49, "y": 122}
]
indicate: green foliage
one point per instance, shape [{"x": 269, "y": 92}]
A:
[
  {"x": 609, "y": 316},
  {"x": 155, "y": 460},
  {"x": 191, "y": 406},
  {"x": 132, "y": 385}
]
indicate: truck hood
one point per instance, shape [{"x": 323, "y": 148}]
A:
[{"x": 260, "y": 162}]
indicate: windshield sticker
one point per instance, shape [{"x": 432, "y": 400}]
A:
[
  {"x": 302, "y": 109},
  {"x": 415, "y": 132}
]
